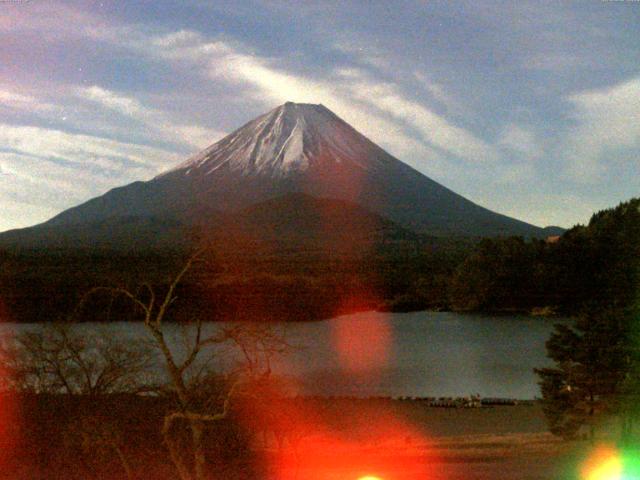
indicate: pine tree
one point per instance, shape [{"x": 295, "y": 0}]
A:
[{"x": 593, "y": 364}]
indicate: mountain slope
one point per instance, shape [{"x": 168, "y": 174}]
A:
[
  {"x": 299, "y": 222},
  {"x": 294, "y": 148}
]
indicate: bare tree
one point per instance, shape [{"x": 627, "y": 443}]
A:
[
  {"x": 259, "y": 343},
  {"x": 196, "y": 404},
  {"x": 56, "y": 358},
  {"x": 99, "y": 439},
  {"x": 60, "y": 358}
]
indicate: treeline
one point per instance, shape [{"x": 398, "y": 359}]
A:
[
  {"x": 48, "y": 285},
  {"x": 596, "y": 372},
  {"x": 565, "y": 275},
  {"x": 588, "y": 267},
  {"x": 290, "y": 285}
]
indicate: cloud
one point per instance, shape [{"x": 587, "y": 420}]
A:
[
  {"x": 607, "y": 120},
  {"x": 377, "y": 108},
  {"x": 432, "y": 127},
  {"x": 257, "y": 79},
  {"x": 392, "y": 119},
  {"x": 153, "y": 119},
  {"x": 125, "y": 105},
  {"x": 51, "y": 170},
  {"x": 376, "y": 102},
  {"x": 18, "y": 101},
  {"x": 84, "y": 150},
  {"x": 364, "y": 54},
  {"x": 277, "y": 86},
  {"x": 17, "y": 214},
  {"x": 439, "y": 93},
  {"x": 56, "y": 182},
  {"x": 74, "y": 108},
  {"x": 52, "y": 20},
  {"x": 44, "y": 170},
  {"x": 521, "y": 141},
  {"x": 34, "y": 188}
]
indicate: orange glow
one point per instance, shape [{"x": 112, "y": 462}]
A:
[
  {"x": 320, "y": 439},
  {"x": 604, "y": 464},
  {"x": 362, "y": 341}
]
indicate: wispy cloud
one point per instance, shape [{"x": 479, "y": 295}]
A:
[
  {"x": 606, "y": 120},
  {"x": 52, "y": 170},
  {"x": 521, "y": 141},
  {"x": 259, "y": 80},
  {"x": 34, "y": 188},
  {"x": 433, "y": 128},
  {"x": 152, "y": 118},
  {"x": 81, "y": 149},
  {"x": 440, "y": 94},
  {"x": 19, "y": 101},
  {"x": 515, "y": 174},
  {"x": 380, "y": 110},
  {"x": 365, "y": 55}
]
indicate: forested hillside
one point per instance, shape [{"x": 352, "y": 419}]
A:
[{"x": 589, "y": 265}]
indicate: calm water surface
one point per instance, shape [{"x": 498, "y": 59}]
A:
[{"x": 403, "y": 354}]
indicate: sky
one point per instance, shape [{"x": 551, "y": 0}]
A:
[{"x": 531, "y": 109}]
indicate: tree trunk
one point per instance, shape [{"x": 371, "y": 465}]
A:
[
  {"x": 199, "y": 459},
  {"x": 592, "y": 429},
  {"x": 174, "y": 450},
  {"x": 124, "y": 462}
]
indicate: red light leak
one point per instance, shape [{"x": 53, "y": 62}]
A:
[
  {"x": 362, "y": 341},
  {"x": 334, "y": 458},
  {"x": 321, "y": 439},
  {"x": 9, "y": 418},
  {"x": 7, "y": 429}
]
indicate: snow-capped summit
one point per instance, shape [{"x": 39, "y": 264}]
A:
[
  {"x": 287, "y": 140},
  {"x": 294, "y": 149}
]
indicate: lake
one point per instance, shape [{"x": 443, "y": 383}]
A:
[{"x": 397, "y": 354}]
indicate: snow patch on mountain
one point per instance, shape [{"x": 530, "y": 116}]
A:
[{"x": 287, "y": 140}]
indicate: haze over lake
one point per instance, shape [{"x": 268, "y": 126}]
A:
[{"x": 427, "y": 353}]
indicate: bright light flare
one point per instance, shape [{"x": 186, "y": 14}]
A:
[
  {"x": 312, "y": 439},
  {"x": 609, "y": 469},
  {"x": 608, "y": 463}
]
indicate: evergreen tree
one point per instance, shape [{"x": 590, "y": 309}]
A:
[
  {"x": 597, "y": 361},
  {"x": 592, "y": 364}
]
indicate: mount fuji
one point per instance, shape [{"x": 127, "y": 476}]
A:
[{"x": 295, "y": 149}]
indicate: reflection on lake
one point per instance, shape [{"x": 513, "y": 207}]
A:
[{"x": 407, "y": 354}]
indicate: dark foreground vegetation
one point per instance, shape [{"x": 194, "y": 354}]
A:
[
  {"x": 114, "y": 436},
  {"x": 587, "y": 266},
  {"x": 118, "y": 436},
  {"x": 597, "y": 359}
]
